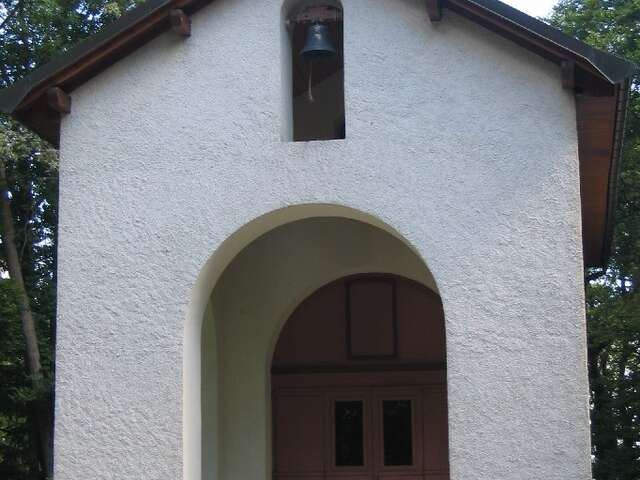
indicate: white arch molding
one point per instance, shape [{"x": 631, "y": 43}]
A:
[{"x": 211, "y": 273}]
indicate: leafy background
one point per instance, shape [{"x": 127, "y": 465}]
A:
[{"x": 32, "y": 31}]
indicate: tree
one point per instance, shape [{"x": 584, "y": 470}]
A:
[
  {"x": 31, "y": 32},
  {"x": 15, "y": 255},
  {"x": 613, "y": 302}
]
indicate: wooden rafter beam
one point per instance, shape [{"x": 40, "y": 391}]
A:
[
  {"x": 434, "y": 10},
  {"x": 180, "y": 22},
  {"x": 59, "y": 100},
  {"x": 89, "y": 65}
]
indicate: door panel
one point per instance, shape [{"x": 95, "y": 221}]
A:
[
  {"x": 398, "y": 431},
  {"x": 348, "y": 434},
  {"x": 299, "y": 433},
  {"x": 371, "y": 318},
  {"x": 436, "y": 448}
]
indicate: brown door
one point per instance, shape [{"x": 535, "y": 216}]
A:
[
  {"x": 359, "y": 382},
  {"x": 381, "y": 433}
]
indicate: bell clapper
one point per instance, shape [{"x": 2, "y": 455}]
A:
[{"x": 311, "y": 99}]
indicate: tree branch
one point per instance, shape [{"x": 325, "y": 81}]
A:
[
  {"x": 10, "y": 14},
  {"x": 25, "y": 232}
]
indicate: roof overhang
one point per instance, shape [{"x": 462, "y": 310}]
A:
[{"x": 601, "y": 83}]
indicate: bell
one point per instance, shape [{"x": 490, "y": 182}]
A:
[{"x": 318, "y": 44}]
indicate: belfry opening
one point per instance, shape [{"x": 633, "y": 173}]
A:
[{"x": 313, "y": 70}]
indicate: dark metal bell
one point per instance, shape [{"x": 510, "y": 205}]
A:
[{"x": 318, "y": 44}]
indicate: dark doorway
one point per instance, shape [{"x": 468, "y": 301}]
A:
[{"x": 359, "y": 384}]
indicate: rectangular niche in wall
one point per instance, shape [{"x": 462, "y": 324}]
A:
[
  {"x": 317, "y": 71},
  {"x": 371, "y": 318}
]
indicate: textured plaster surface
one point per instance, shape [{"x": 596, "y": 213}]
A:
[{"x": 462, "y": 142}]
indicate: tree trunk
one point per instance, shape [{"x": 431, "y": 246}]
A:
[{"x": 41, "y": 408}]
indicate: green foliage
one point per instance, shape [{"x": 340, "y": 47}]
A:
[
  {"x": 32, "y": 170},
  {"x": 610, "y": 25},
  {"x": 613, "y": 301},
  {"x": 17, "y": 449},
  {"x": 31, "y": 32}
]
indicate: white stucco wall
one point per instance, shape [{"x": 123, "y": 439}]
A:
[{"x": 461, "y": 142}]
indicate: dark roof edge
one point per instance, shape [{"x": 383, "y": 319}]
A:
[
  {"x": 613, "y": 68},
  {"x": 614, "y": 171},
  {"x": 11, "y": 97}
]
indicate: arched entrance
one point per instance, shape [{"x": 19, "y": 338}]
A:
[
  {"x": 359, "y": 385},
  {"x": 246, "y": 293}
]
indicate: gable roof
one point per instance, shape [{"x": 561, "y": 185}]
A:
[
  {"x": 601, "y": 82},
  {"x": 611, "y": 67}
]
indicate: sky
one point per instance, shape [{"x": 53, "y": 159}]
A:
[{"x": 535, "y": 8}]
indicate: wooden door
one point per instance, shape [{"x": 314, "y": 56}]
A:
[{"x": 364, "y": 433}]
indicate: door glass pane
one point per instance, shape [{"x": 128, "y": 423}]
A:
[
  {"x": 398, "y": 448},
  {"x": 349, "y": 433}
]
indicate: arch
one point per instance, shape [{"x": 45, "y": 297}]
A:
[
  {"x": 209, "y": 278},
  {"x": 407, "y": 355},
  {"x": 374, "y": 342}
]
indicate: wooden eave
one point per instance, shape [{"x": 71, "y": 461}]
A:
[{"x": 601, "y": 83}]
